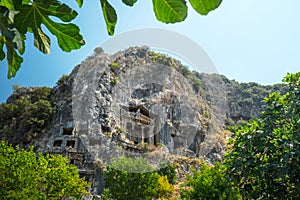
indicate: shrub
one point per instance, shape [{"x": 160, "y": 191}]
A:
[
  {"x": 98, "y": 50},
  {"x": 170, "y": 172},
  {"x": 165, "y": 189},
  {"x": 115, "y": 80},
  {"x": 113, "y": 66},
  {"x": 16, "y": 88},
  {"x": 197, "y": 83},
  {"x": 62, "y": 80},
  {"x": 209, "y": 183},
  {"x": 122, "y": 183}
]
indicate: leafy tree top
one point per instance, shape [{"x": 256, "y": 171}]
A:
[
  {"x": 264, "y": 159},
  {"x": 24, "y": 176}
]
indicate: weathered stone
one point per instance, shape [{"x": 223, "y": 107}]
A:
[{"x": 104, "y": 112}]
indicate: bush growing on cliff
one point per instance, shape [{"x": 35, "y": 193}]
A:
[
  {"x": 24, "y": 176},
  {"x": 114, "y": 66},
  {"x": 62, "y": 80}
]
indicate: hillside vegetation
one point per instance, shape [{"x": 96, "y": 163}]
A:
[{"x": 27, "y": 114}]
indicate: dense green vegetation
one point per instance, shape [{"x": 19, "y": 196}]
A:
[
  {"x": 264, "y": 159},
  {"x": 170, "y": 172},
  {"x": 24, "y": 176},
  {"x": 26, "y": 115},
  {"x": 128, "y": 178},
  {"x": 208, "y": 183}
]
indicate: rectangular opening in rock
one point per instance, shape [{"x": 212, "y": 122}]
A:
[
  {"x": 132, "y": 108},
  {"x": 71, "y": 143},
  {"x": 105, "y": 129},
  {"x": 146, "y": 140},
  {"x": 68, "y": 131},
  {"x": 155, "y": 139},
  {"x": 144, "y": 112},
  {"x": 135, "y": 140},
  {"x": 57, "y": 143}
]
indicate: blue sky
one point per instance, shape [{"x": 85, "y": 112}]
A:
[{"x": 247, "y": 40}]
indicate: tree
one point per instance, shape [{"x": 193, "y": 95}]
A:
[
  {"x": 208, "y": 183},
  {"x": 27, "y": 115},
  {"x": 18, "y": 17},
  {"x": 263, "y": 161},
  {"x": 170, "y": 172},
  {"x": 15, "y": 88},
  {"x": 25, "y": 176},
  {"x": 122, "y": 182}
]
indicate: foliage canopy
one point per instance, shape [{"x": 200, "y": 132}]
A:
[
  {"x": 24, "y": 176},
  {"x": 122, "y": 183},
  {"x": 19, "y": 17},
  {"x": 208, "y": 183},
  {"x": 264, "y": 159},
  {"x": 26, "y": 115}
]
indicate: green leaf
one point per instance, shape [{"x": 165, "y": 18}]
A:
[
  {"x": 9, "y": 32},
  {"x": 4, "y": 24},
  {"x": 42, "y": 41},
  {"x": 110, "y": 16},
  {"x": 7, "y": 3},
  {"x": 2, "y": 54},
  {"x": 79, "y": 3},
  {"x": 31, "y": 17},
  {"x": 14, "y": 60},
  {"x": 62, "y": 11},
  {"x": 18, "y": 40},
  {"x": 67, "y": 35},
  {"x": 12, "y": 40},
  {"x": 170, "y": 11},
  {"x": 203, "y": 7},
  {"x": 129, "y": 2},
  {"x": 25, "y": 2}
]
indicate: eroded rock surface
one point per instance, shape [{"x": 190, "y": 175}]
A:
[{"x": 140, "y": 103}]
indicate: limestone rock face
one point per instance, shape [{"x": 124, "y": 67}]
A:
[
  {"x": 143, "y": 104},
  {"x": 152, "y": 102},
  {"x": 154, "y": 99}
]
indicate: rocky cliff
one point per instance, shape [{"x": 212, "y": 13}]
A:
[{"x": 135, "y": 103}]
